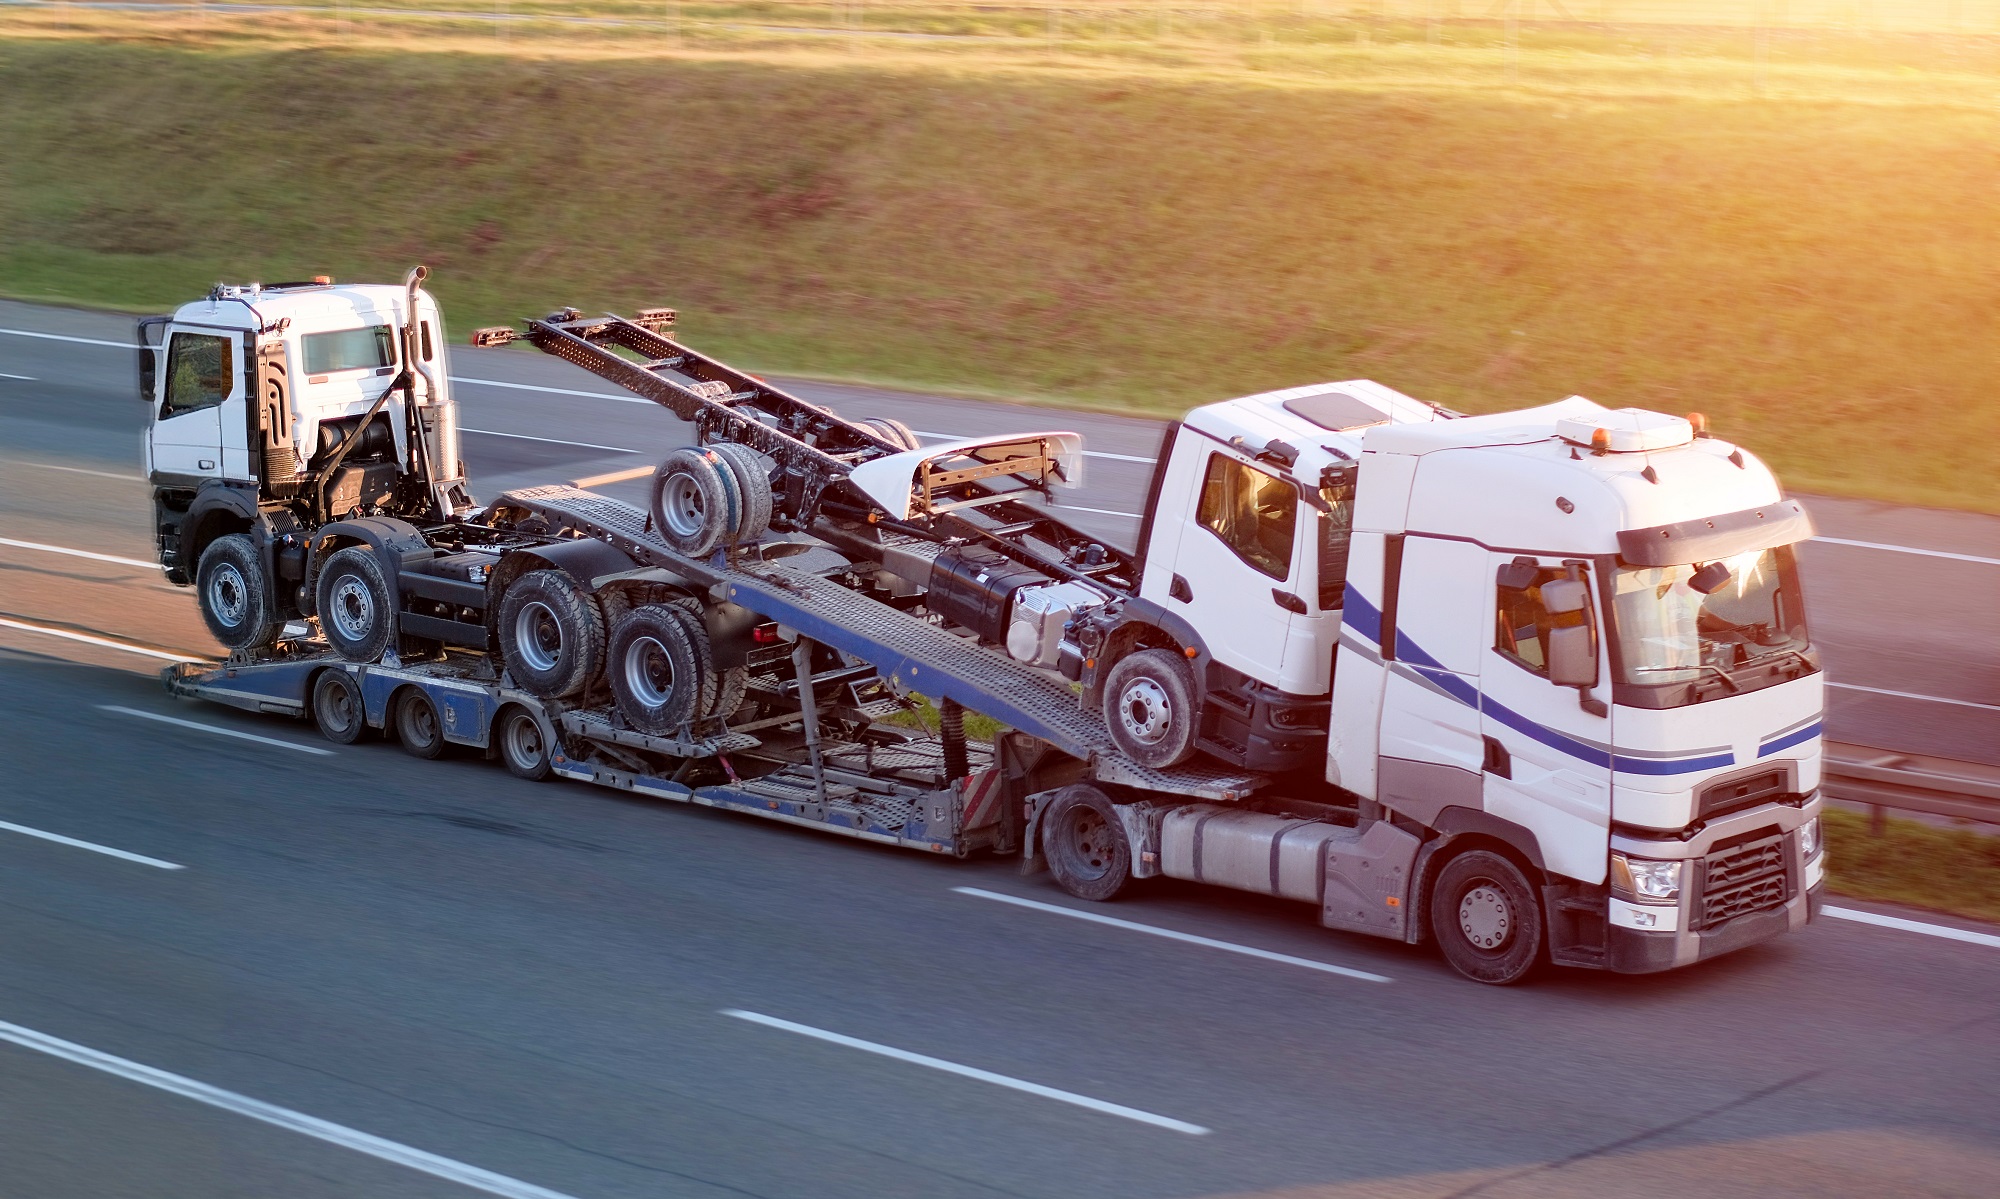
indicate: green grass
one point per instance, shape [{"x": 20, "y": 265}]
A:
[
  {"x": 1803, "y": 250},
  {"x": 1946, "y": 869}
]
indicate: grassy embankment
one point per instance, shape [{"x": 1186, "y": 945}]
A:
[
  {"x": 1803, "y": 250},
  {"x": 1946, "y": 869}
]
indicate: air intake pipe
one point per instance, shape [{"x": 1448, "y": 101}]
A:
[{"x": 437, "y": 413}]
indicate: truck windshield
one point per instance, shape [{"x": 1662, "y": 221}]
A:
[{"x": 1749, "y": 632}]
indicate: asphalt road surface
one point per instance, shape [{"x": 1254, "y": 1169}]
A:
[{"x": 250, "y": 963}]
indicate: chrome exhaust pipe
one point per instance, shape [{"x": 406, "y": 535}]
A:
[{"x": 437, "y": 413}]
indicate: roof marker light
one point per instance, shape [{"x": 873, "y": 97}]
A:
[
  {"x": 1600, "y": 441},
  {"x": 1699, "y": 423},
  {"x": 323, "y": 280}
]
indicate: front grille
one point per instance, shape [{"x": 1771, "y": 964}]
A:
[{"x": 1750, "y": 877}]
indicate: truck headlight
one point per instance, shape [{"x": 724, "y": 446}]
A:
[
  {"x": 1641, "y": 880},
  {"x": 1809, "y": 840}
]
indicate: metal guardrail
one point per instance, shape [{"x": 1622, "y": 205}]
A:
[{"x": 1886, "y": 780}]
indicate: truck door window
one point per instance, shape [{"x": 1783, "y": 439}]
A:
[
  {"x": 348, "y": 350},
  {"x": 1523, "y": 626},
  {"x": 1336, "y": 531},
  {"x": 198, "y": 373},
  {"x": 1253, "y": 513}
]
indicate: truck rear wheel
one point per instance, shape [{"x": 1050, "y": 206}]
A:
[
  {"x": 1486, "y": 918},
  {"x": 696, "y": 502},
  {"x": 655, "y": 671},
  {"x": 551, "y": 634},
  {"x": 1085, "y": 843},
  {"x": 336, "y": 707},
  {"x": 753, "y": 483},
  {"x": 417, "y": 725},
  {"x": 525, "y": 745},
  {"x": 1149, "y": 707},
  {"x": 354, "y": 608},
  {"x": 234, "y": 596},
  {"x": 893, "y": 431}
]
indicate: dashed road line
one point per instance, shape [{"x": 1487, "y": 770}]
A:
[
  {"x": 75, "y": 470},
  {"x": 92, "y": 846},
  {"x": 588, "y": 445},
  {"x": 1906, "y": 549},
  {"x": 85, "y": 341},
  {"x": 1913, "y": 926},
  {"x": 217, "y": 730},
  {"x": 87, "y": 639},
  {"x": 281, "y": 1117},
  {"x": 973, "y": 1072},
  {"x": 1171, "y": 935},
  {"x": 1934, "y": 699},
  {"x": 93, "y": 556}
]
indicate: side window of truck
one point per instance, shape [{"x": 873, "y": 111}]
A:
[
  {"x": 198, "y": 373},
  {"x": 1336, "y": 533},
  {"x": 1254, "y": 514},
  {"x": 1523, "y": 625}
]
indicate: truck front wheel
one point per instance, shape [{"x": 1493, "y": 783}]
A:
[
  {"x": 1486, "y": 918},
  {"x": 354, "y": 608},
  {"x": 235, "y": 597},
  {"x": 1149, "y": 706},
  {"x": 1085, "y": 843}
]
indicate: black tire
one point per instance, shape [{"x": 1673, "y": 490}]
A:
[
  {"x": 732, "y": 690},
  {"x": 234, "y": 596},
  {"x": 551, "y": 634},
  {"x": 689, "y": 612},
  {"x": 525, "y": 746},
  {"x": 753, "y": 483},
  {"x": 893, "y": 431},
  {"x": 337, "y": 707},
  {"x": 696, "y": 504},
  {"x": 417, "y": 725},
  {"x": 653, "y": 669},
  {"x": 1085, "y": 844},
  {"x": 1150, "y": 709},
  {"x": 1487, "y": 917},
  {"x": 355, "y": 613}
]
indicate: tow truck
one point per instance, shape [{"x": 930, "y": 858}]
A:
[{"x": 1535, "y": 686}]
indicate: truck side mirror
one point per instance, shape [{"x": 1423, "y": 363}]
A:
[
  {"x": 151, "y": 342},
  {"x": 1572, "y": 657}
]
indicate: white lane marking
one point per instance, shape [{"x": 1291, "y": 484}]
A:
[
  {"x": 1099, "y": 511},
  {"x": 558, "y": 391},
  {"x": 220, "y": 732},
  {"x": 22, "y": 378},
  {"x": 588, "y": 445},
  {"x": 1904, "y": 549},
  {"x": 616, "y": 476},
  {"x": 1171, "y": 935},
  {"x": 271, "y": 1113},
  {"x": 77, "y": 470},
  {"x": 87, "y": 639},
  {"x": 85, "y": 341},
  {"x": 1935, "y": 699},
  {"x": 92, "y": 846},
  {"x": 60, "y": 549},
  {"x": 1914, "y": 926},
  {"x": 998, "y": 1080}
]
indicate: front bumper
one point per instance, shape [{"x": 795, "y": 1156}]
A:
[{"x": 1644, "y": 938}]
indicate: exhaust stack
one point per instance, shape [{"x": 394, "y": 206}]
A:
[{"x": 436, "y": 413}]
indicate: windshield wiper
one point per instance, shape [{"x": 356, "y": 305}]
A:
[{"x": 1735, "y": 688}]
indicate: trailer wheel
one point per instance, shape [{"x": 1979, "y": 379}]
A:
[
  {"x": 1085, "y": 843},
  {"x": 732, "y": 691},
  {"x": 696, "y": 503},
  {"x": 689, "y": 614},
  {"x": 336, "y": 707},
  {"x": 551, "y": 634},
  {"x": 1487, "y": 918},
  {"x": 753, "y": 483},
  {"x": 526, "y": 748},
  {"x": 417, "y": 725},
  {"x": 234, "y": 596},
  {"x": 354, "y": 608},
  {"x": 893, "y": 431},
  {"x": 1149, "y": 707},
  {"x": 655, "y": 674}
]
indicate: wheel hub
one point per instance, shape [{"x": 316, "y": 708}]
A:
[
  {"x": 539, "y": 636},
  {"x": 1145, "y": 711},
  {"x": 649, "y": 672},
  {"x": 1485, "y": 917},
  {"x": 228, "y": 597},
  {"x": 1093, "y": 847},
  {"x": 682, "y": 506},
  {"x": 353, "y": 609}
]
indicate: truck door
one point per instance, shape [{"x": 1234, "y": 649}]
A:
[
  {"x": 1547, "y": 763},
  {"x": 1233, "y": 573},
  {"x": 1431, "y": 745},
  {"x": 201, "y": 374}
]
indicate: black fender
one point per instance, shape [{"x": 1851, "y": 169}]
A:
[
  {"x": 1135, "y": 614},
  {"x": 391, "y": 539},
  {"x": 218, "y": 509},
  {"x": 584, "y": 560},
  {"x": 1450, "y": 829}
]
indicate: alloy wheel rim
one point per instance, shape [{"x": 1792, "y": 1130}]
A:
[
  {"x": 353, "y": 608},
  {"x": 1485, "y": 916},
  {"x": 539, "y": 636},
  {"x": 649, "y": 672}
]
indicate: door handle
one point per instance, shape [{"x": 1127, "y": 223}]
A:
[
  {"x": 1180, "y": 590},
  {"x": 1498, "y": 761},
  {"x": 1288, "y": 601}
]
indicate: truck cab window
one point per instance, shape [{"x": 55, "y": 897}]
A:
[
  {"x": 348, "y": 350},
  {"x": 198, "y": 370},
  {"x": 1523, "y": 626},
  {"x": 1336, "y": 532},
  {"x": 1254, "y": 514}
]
